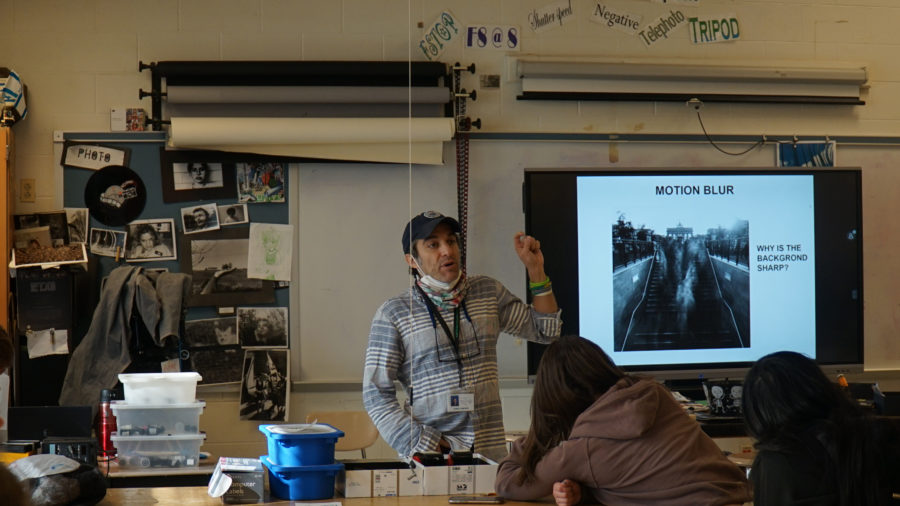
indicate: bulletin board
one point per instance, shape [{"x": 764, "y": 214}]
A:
[{"x": 145, "y": 160}]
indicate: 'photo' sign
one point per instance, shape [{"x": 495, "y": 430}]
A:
[{"x": 93, "y": 156}]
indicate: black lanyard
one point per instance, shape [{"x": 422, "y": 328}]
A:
[{"x": 453, "y": 337}]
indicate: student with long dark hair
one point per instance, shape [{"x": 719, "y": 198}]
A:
[
  {"x": 601, "y": 434},
  {"x": 815, "y": 444}
]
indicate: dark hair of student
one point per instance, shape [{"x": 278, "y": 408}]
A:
[
  {"x": 572, "y": 374},
  {"x": 786, "y": 395}
]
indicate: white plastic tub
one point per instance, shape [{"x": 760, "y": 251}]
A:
[
  {"x": 157, "y": 419},
  {"x": 160, "y": 387},
  {"x": 158, "y": 451}
]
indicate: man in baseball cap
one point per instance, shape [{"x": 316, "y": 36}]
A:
[{"x": 439, "y": 340}]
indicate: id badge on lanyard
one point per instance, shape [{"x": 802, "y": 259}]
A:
[{"x": 460, "y": 399}]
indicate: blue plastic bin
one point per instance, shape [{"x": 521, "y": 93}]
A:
[
  {"x": 294, "y": 445},
  {"x": 301, "y": 483}
]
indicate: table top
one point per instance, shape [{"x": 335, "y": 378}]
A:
[{"x": 193, "y": 496}]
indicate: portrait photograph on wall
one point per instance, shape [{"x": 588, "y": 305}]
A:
[
  {"x": 200, "y": 218},
  {"x": 217, "y": 262},
  {"x": 197, "y": 175},
  {"x": 233, "y": 214},
  {"x": 263, "y": 327},
  {"x": 264, "y": 385},
  {"x": 151, "y": 240}
]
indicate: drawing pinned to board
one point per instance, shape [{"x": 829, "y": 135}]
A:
[
  {"x": 264, "y": 388},
  {"x": 806, "y": 154},
  {"x": 270, "y": 251},
  {"x": 260, "y": 182}
]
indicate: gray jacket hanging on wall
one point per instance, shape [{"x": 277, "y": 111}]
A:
[{"x": 104, "y": 352}]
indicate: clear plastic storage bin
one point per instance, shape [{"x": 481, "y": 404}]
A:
[
  {"x": 158, "y": 451},
  {"x": 160, "y": 387},
  {"x": 158, "y": 419}
]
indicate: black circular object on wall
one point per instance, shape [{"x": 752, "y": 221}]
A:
[{"x": 115, "y": 195}]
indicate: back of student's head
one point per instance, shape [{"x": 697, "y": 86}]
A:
[
  {"x": 789, "y": 404},
  {"x": 572, "y": 373},
  {"x": 784, "y": 393}
]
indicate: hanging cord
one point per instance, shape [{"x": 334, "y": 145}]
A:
[
  {"x": 462, "y": 167},
  {"x": 409, "y": 399},
  {"x": 751, "y": 148}
]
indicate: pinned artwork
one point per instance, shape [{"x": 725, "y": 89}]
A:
[
  {"x": 270, "y": 251},
  {"x": 264, "y": 386},
  {"x": 115, "y": 195},
  {"x": 260, "y": 182},
  {"x": 150, "y": 240}
]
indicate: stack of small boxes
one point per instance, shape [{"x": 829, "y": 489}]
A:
[
  {"x": 159, "y": 420},
  {"x": 301, "y": 460}
]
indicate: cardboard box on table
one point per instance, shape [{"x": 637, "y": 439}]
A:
[{"x": 374, "y": 478}]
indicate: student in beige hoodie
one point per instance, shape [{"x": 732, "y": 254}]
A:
[{"x": 602, "y": 435}]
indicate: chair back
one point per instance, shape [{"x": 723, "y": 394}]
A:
[{"x": 359, "y": 431}]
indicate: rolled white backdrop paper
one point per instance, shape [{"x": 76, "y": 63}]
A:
[{"x": 193, "y": 132}]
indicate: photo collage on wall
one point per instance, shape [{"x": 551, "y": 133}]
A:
[{"x": 203, "y": 226}]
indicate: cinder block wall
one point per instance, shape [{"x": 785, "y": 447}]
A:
[{"x": 79, "y": 58}]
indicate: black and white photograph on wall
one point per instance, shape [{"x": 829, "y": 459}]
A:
[
  {"x": 264, "y": 385},
  {"x": 260, "y": 182},
  {"x": 190, "y": 175},
  {"x": 56, "y": 223},
  {"x": 77, "y": 219},
  {"x": 233, "y": 214},
  {"x": 211, "y": 332},
  {"x": 218, "y": 364},
  {"x": 108, "y": 243},
  {"x": 695, "y": 291},
  {"x": 200, "y": 218},
  {"x": 197, "y": 175},
  {"x": 151, "y": 240},
  {"x": 48, "y": 256},
  {"x": 217, "y": 262},
  {"x": 263, "y": 327}
]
